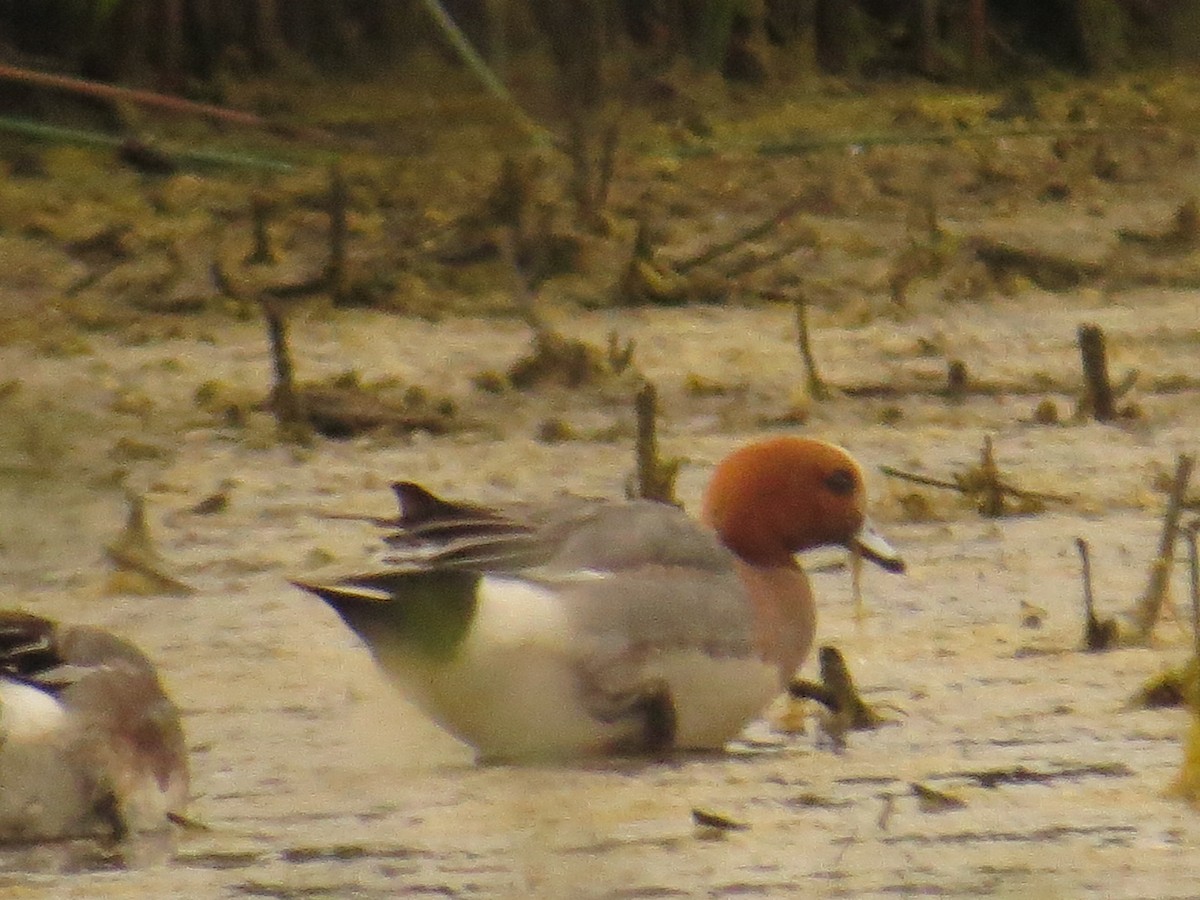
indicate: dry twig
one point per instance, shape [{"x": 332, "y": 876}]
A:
[
  {"x": 984, "y": 484},
  {"x": 1149, "y": 606},
  {"x": 285, "y": 401},
  {"x": 1189, "y": 534},
  {"x": 337, "y": 271},
  {"x": 717, "y": 250},
  {"x": 655, "y": 476},
  {"x": 260, "y": 210},
  {"x": 1098, "y": 389},
  {"x": 1097, "y": 635},
  {"x": 816, "y": 385},
  {"x": 836, "y": 692},
  {"x": 134, "y": 556}
]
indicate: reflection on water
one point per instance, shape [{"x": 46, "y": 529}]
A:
[{"x": 74, "y": 857}]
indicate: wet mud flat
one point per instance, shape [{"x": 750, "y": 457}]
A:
[{"x": 314, "y": 780}]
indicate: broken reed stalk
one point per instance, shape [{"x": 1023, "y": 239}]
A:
[
  {"x": 816, "y": 385},
  {"x": 753, "y": 261},
  {"x": 716, "y": 251},
  {"x": 837, "y": 693},
  {"x": 956, "y": 381},
  {"x": 927, "y": 480},
  {"x": 655, "y": 477},
  {"x": 992, "y": 502},
  {"x": 1095, "y": 372},
  {"x": 1148, "y": 607},
  {"x": 467, "y": 53},
  {"x": 286, "y": 404},
  {"x": 581, "y": 180},
  {"x": 1189, "y": 535},
  {"x": 608, "y": 161},
  {"x": 1089, "y": 603},
  {"x": 337, "y": 270},
  {"x": 1097, "y": 635},
  {"x": 930, "y": 481},
  {"x": 133, "y": 552},
  {"x": 154, "y": 100},
  {"x": 523, "y": 291},
  {"x": 619, "y": 352},
  {"x": 260, "y": 210}
]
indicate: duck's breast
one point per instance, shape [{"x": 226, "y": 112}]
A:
[{"x": 40, "y": 797}]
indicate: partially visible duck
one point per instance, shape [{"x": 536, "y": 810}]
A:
[
  {"x": 591, "y": 628},
  {"x": 90, "y": 744}
]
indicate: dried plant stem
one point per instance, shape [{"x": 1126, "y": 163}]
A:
[
  {"x": 930, "y": 481},
  {"x": 155, "y": 100},
  {"x": 337, "y": 269},
  {"x": 1149, "y": 606},
  {"x": 474, "y": 62},
  {"x": 837, "y": 692},
  {"x": 757, "y": 230},
  {"x": 927, "y": 480},
  {"x": 1095, "y": 372},
  {"x": 285, "y": 399},
  {"x": 655, "y": 477},
  {"x": 607, "y": 163},
  {"x": 260, "y": 210},
  {"x": 1097, "y": 634},
  {"x": 524, "y": 294},
  {"x": 1189, "y": 534},
  {"x": 1089, "y": 602},
  {"x": 992, "y": 502},
  {"x": 816, "y": 385},
  {"x": 956, "y": 381},
  {"x": 133, "y": 551}
]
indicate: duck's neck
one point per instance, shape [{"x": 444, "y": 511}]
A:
[{"x": 785, "y": 616}]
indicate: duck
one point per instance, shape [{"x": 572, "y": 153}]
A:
[
  {"x": 588, "y": 628},
  {"x": 91, "y": 745}
]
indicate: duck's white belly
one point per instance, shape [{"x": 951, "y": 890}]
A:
[
  {"x": 39, "y": 797},
  {"x": 516, "y": 686},
  {"x": 27, "y": 713}
]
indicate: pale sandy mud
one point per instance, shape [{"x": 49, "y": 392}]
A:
[{"x": 316, "y": 781}]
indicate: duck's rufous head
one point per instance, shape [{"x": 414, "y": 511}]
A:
[{"x": 772, "y": 499}]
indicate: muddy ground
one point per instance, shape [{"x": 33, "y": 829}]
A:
[{"x": 315, "y": 780}]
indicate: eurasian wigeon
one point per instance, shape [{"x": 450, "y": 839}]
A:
[
  {"x": 90, "y": 744},
  {"x": 590, "y": 628}
]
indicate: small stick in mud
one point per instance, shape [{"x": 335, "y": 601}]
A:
[
  {"x": 816, "y": 385},
  {"x": 710, "y": 824},
  {"x": 1187, "y": 782},
  {"x": 620, "y": 352},
  {"x": 1098, "y": 389},
  {"x": 981, "y": 484},
  {"x": 956, "y": 381},
  {"x": 1097, "y": 635},
  {"x": 1149, "y": 606},
  {"x": 991, "y": 493},
  {"x": 608, "y": 160},
  {"x": 285, "y": 400},
  {"x": 930, "y": 800},
  {"x": 1189, "y": 535},
  {"x": 522, "y": 288},
  {"x": 140, "y": 568},
  {"x": 655, "y": 476},
  {"x": 337, "y": 270},
  {"x": 721, "y": 248},
  {"x": 260, "y": 210},
  {"x": 836, "y": 692}
]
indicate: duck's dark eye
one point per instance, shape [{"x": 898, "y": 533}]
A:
[{"x": 842, "y": 482}]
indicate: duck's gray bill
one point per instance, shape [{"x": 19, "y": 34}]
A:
[{"x": 870, "y": 544}]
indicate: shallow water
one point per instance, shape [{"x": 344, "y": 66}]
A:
[{"x": 314, "y": 780}]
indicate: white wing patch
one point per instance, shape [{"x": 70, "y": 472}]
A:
[
  {"x": 27, "y": 713},
  {"x": 513, "y": 611}
]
